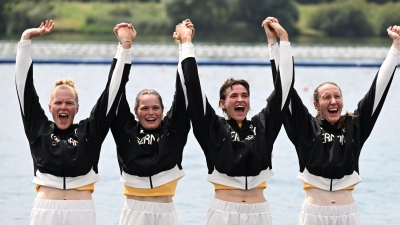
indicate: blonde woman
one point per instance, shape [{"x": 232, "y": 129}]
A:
[{"x": 65, "y": 154}]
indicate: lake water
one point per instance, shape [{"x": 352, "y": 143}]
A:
[{"x": 377, "y": 196}]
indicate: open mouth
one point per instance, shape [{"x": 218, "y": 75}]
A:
[
  {"x": 239, "y": 109},
  {"x": 333, "y": 111},
  {"x": 63, "y": 117},
  {"x": 151, "y": 119}
]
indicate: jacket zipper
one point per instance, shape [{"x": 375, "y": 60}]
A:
[
  {"x": 151, "y": 181},
  {"x": 333, "y": 160},
  {"x": 63, "y": 164},
  {"x": 246, "y": 182}
]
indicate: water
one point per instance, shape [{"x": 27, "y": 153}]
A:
[
  {"x": 377, "y": 196},
  {"x": 96, "y": 50}
]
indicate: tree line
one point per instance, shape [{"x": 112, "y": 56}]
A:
[{"x": 218, "y": 18}]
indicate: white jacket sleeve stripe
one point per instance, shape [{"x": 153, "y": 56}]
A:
[
  {"x": 384, "y": 75},
  {"x": 123, "y": 57},
  {"x": 23, "y": 64},
  {"x": 286, "y": 69}
]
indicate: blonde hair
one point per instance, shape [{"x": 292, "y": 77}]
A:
[{"x": 65, "y": 84}]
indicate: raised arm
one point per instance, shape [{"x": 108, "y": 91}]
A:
[
  {"x": 200, "y": 111},
  {"x": 273, "y": 47},
  {"x": 370, "y": 106},
  {"x": 107, "y": 105},
  {"x": 31, "y": 111},
  {"x": 283, "y": 78},
  {"x": 285, "y": 64},
  {"x": 178, "y": 115}
]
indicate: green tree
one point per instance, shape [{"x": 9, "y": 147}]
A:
[
  {"x": 343, "y": 19},
  {"x": 388, "y": 16},
  {"x": 253, "y": 12},
  {"x": 240, "y": 19},
  {"x": 313, "y": 1},
  {"x": 207, "y": 15},
  {"x": 5, "y": 6},
  {"x": 28, "y": 14},
  {"x": 382, "y": 1}
]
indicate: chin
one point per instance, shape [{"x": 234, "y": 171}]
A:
[
  {"x": 151, "y": 127},
  {"x": 239, "y": 118},
  {"x": 333, "y": 120}
]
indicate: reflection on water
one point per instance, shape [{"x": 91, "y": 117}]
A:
[{"x": 377, "y": 196}]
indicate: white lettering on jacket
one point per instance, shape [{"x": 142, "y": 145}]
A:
[
  {"x": 326, "y": 137},
  {"x": 148, "y": 139},
  {"x": 235, "y": 136},
  {"x": 54, "y": 139},
  {"x": 73, "y": 142}
]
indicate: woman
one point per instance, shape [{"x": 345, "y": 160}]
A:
[
  {"x": 65, "y": 154},
  {"x": 329, "y": 145},
  {"x": 238, "y": 150},
  {"x": 150, "y": 153}
]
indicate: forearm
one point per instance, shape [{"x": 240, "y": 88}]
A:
[
  {"x": 385, "y": 74},
  {"x": 274, "y": 54},
  {"x": 122, "y": 67},
  {"x": 22, "y": 65},
  {"x": 106, "y": 106},
  {"x": 286, "y": 69},
  {"x": 26, "y": 35},
  {"x": 198, "y": 104}
]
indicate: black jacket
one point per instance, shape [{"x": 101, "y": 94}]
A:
[
  {"x": 238, "y": 157},
  {"x": 329, "y": 155},
  {"x": 151, "y": 158},
  {"x": 67, "y": 159}
]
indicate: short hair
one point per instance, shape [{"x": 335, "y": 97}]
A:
[{"x": 228, "y": 83}]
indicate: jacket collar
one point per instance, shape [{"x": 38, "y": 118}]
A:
[{"x": 245, "y": 124}]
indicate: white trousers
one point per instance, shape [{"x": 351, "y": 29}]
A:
[
  {"x": 63, "y": 212},
  {"x": 231, "y": 213},
  {"x": 148, "y": 213},
  {"x": 329, "y": 215}
]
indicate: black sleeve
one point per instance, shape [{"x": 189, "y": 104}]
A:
[
  {"x": 103, "y": 112},
  {"x": 201, "y": 113},
  {"x": 32, "y": 113},
  {"x": 283, "y": 79},
  {"x": 122, "y": 117},
  {"x": 178, "y": 115},
  {"x": 297, "y": 118},
  {"x": 370, "y": 106}
]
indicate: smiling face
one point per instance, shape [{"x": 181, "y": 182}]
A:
[
  {"x": 149, "y": 111},
  {"x": 236, "y": 103},
  {"x": 330, "y": 102},
  {"x": 63, "y": 107}
]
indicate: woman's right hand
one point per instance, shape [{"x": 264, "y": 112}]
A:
[
  {"x": 125, "y": 33},
  {"x": 269, "y": 31},
  {"x": 184, "y": 32},
  {"x": 394, "y": 33},
  {"x": 273, "y": 29},
  {"x": 43, "y": 29}
]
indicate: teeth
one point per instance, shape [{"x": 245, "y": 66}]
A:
[
  {"x": 63, "y": 114},
  {"x": 333, "y": 110},
  {"x": 151, "y": 119}
]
